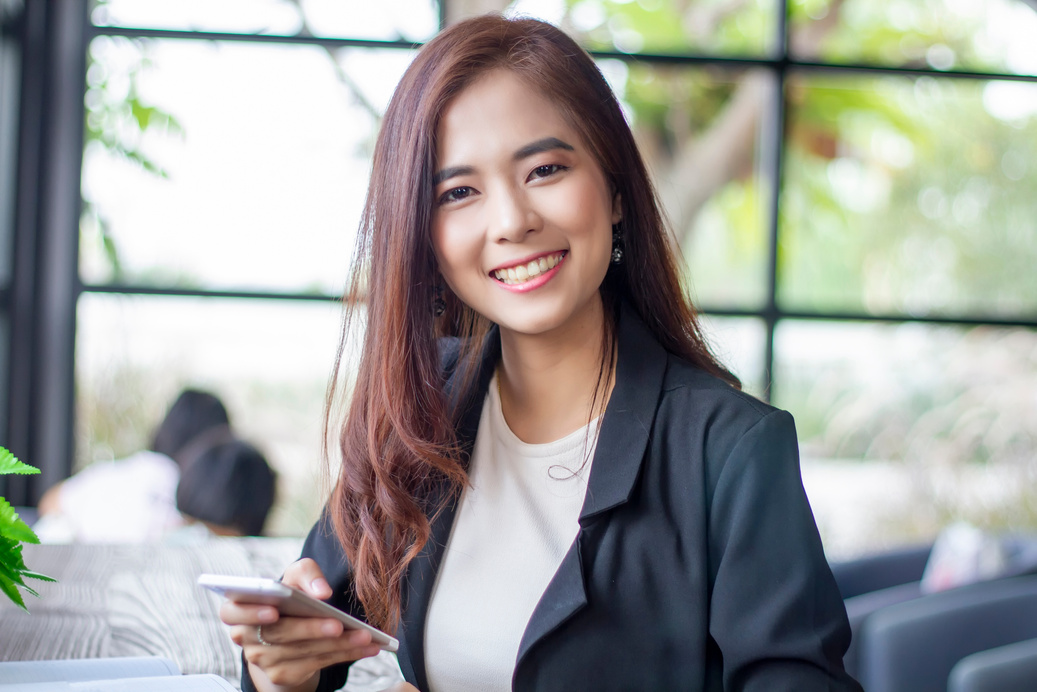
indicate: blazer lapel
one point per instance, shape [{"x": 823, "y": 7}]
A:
[
  {"x": 628, "y": 419},
  {"x": 565, "y": 596},
  {"x": 421, "y": 577},
  {"x": 622, "y": 441},
  {"x": 421, "y": 574}
]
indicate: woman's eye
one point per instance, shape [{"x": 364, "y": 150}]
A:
[
  {"x": 455, "y": 195},
  {"x": 546, "y": 171}
]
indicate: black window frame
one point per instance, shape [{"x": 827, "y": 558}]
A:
[{"x": 40, "y": 301}]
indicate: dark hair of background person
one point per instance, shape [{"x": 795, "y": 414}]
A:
[
  {"x": 398, "y": 438},
  {"x": 193, "y": 412},
  {"x": 229, "y": 486}
]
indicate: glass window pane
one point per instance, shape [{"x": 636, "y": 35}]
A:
[
  {"x": 910, "y": 196},
  {"x": 739, "y": 344},
  {"x": 410, "y": 20},
  {"x": 970, "y": 35},
  {"x": 717, "y": 27},
  {"x": 905, "y": 428},
  {"x": 699, "y": 132},
  {"x": 268, "y": 360},
  {"x": 228, "y": 165}
]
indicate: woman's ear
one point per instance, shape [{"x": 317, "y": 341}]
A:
[{"x": 617, "y": 208}]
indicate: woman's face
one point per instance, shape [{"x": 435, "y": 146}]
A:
[{"x": 522, "y": 227}]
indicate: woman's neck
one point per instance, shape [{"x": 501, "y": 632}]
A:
[{"x": 548, "y": 381}]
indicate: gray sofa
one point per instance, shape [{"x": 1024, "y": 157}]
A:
[{"x": 969, "y": 639}]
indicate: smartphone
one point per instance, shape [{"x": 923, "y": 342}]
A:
[{"x": 289, "y": 601}]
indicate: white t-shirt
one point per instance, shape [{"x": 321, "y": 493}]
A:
[
  {"x": 516, "y": 521},
  {"x": 124, "y": 501}
]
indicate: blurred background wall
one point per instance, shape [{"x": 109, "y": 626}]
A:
[{"x": 853, "y": 184}]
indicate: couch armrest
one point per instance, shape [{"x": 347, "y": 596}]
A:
[{"x": 912, "y": 646}]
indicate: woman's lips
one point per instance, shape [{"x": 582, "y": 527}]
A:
[
  {"x": 530, "y": 275},
  {"x": 520, "y": 273}
]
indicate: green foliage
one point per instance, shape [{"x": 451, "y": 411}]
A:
[
  {"x": 913, "y": 33},
  {"x": 670, "y": 103},
  {"x": 950, "y": 226},
  {"x": 117, "y": 117},
  {"x": 9, "y": 464},
  {"x": 13, "y": 532},
  {"x": 657, "y": 26}
]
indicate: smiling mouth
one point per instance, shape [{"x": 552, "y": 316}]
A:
[{"x": 521, "y": 273}]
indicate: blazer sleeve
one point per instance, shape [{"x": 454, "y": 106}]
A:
[
  {"x": 323, "y": 547},
  {"x": 775, "y": 610}
]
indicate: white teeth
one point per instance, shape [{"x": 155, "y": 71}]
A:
[{"x": 525, "y": 272}]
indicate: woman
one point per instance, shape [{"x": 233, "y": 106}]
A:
[{"x": 565, "y": 490}]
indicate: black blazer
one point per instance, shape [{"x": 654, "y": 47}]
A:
[{"x": 698, "y": 565}]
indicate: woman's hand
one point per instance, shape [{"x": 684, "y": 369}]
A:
[
  {"x": 293, "y": 650},
  {"x": 402, "y": 687}
]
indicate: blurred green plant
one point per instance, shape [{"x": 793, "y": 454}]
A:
[
  {"x": 13, "y": 532},
  {"x": 117, "y": 117}
]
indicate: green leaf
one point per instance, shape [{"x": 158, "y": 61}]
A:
[
  {"x": 8, "y": 587},
  {"x": 12, "y": 526},
  {"x": 13, "y": 532},
  {"x": 13, "y": 572},
  {"x": 9, "y": 464},
  {"x": 11, "y": 565}
]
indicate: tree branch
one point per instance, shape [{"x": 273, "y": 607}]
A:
[
  {"x": 340, "y": 74},
  {"x": 704, "y": 164}
]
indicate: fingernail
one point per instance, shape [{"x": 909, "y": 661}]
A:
[
  {"x": 267, "y": 615},
  {"x": 320, "y": 586},
  {"x": 330, "y": 628}
]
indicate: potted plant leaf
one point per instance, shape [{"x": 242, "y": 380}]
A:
[{"x": 14, "y": 532}]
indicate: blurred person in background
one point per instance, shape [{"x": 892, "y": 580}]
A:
[
  {"x": 226, "y": 489},
  {"x": 132, "y": 499}
]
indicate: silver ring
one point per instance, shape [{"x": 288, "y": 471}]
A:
[{"x": 259, "y": 636}]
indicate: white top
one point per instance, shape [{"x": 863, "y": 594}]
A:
[
  {"x": 516, "y": 521},
  {"x": 124, "y": 501}
]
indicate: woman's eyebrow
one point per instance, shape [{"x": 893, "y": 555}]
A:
[
  {"x": 541, "y": 145},
  {"x": 451, "y": 172}
]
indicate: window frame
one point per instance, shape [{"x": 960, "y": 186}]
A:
[{"x": 39, "y": 303}]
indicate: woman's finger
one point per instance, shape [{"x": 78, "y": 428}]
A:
[
  {"x": 293, "y": 662},
  {"x": 306, "y": 575},
  {"x": 292, "y": 672},
  {"x": 350, "y": 643},
  {"x": 288, "y": 630},
  {"x": 234, "y": 613}
]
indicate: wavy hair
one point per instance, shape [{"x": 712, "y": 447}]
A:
[{"x": 398, "y": 440}]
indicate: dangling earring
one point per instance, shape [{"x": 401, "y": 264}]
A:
[
  {"x": 438, "y": 304},
  {"x": 617, "y": 245}
]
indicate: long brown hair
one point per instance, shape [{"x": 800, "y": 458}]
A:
[{"x": 398, "y": 441}]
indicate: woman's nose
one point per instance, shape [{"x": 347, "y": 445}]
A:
[{"x": 512, "y": 216}]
